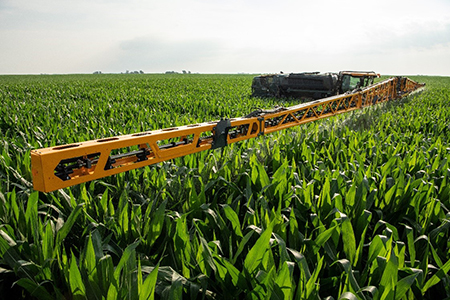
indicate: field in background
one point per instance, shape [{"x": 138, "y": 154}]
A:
[{"x": 353, "y": 207}]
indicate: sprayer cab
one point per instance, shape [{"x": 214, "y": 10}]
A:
[{"x": 310, "y": 85}]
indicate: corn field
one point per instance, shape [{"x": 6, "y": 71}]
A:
[{"x": 356, "y": 206}]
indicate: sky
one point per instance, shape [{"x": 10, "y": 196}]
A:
[{"x": 403, "y": 37}]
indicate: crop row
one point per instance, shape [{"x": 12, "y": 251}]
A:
[{"x": 352, "y": 207}]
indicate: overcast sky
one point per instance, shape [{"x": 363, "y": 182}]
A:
[{"x": 210, "y": 36}]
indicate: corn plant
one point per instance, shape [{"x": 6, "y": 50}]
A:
[{"x": 351, "y": 207}]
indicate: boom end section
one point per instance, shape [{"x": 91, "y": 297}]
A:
[{"x": 37, "y": 172}]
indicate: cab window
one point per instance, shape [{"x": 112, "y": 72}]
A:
[
  {"x": 354, "y": 83},
  {"x": 350, "y": 83}
]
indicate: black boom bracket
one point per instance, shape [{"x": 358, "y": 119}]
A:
[{"x": 221, "y": 134}]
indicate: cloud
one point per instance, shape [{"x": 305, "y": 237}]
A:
[
  {"x": 425, "y": 36},
  {"x": 157, "y": 54},
  {"x": 211, "y": 36},
  {"x": 413, "y": 36},
  {"x": 382, "y": 50}
]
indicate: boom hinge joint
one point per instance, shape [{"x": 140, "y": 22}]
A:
[{"x": 221, "y": 134}]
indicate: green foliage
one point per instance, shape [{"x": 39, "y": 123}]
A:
[{"x": 351, "y": 207}]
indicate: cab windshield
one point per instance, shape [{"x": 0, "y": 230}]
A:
[{"x": 350, "y": 83}]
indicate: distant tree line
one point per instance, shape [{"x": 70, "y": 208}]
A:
[
  {"x": 134, "y": 72},
  {"x": 174, "y": 72},
  {"x": 142, "y": 72},
  {"x": 126, "y": 72}
]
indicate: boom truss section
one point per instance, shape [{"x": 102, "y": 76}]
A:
[{"x": 63, "y": 166}]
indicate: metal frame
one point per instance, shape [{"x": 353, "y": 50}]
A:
[{"x": 63, "y": 166}]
